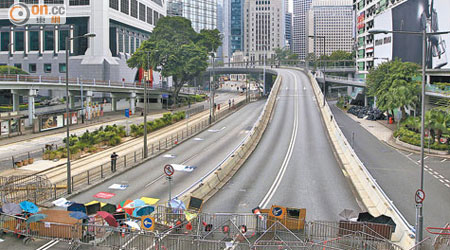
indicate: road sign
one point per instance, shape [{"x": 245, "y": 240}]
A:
[
  {"x": 127, "y": 113},
  {"x": 165, "y": 95},
  {"x": 277, "y": 211},
  {"x": 168, "y": 170},
  {"x": 148, "y": 223},
  {"x": 420, "y": 196}
]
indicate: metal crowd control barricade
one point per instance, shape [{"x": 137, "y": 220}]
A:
[{"x": 14, "y": 224}]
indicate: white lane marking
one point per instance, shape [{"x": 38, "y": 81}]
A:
[
  {"x": 426, "y": 157},
  {"x": 447, "y": 180},
  {"x": 410, "y": 154},
  {"x": 447, "y": 185},
  {"x": 443, "y": 160},
  {"x": 440, "y": 176},
  {"x": 48, "y": 245},
  {"x": 287, "y": 158},
  {"x": 441, "y": 181}
]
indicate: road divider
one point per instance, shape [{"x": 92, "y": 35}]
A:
[
  {"x": 217, "y": 177},
  {"x": 371, "y": 194}
]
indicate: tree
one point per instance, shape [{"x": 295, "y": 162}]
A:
[
  {"x": 282, "y": 54},
  {"x": 393, "y": 84},
  {"x": 13, "y": 70},
  {"x": 437, "y": 122},
  {"x": 178, "y": 50}
]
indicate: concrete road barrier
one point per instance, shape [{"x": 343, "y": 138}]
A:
[
  {"x": 371, "y": 194},
  {"x": 209, "y": 184}
]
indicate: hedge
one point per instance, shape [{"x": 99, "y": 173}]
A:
[{"x": 166, "y": 120}]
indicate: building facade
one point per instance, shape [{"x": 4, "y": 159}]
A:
[
  {"x": 263, "y": 28},
  {"x": 202, "y": 13},
  {"x": 366, "y": 10},
  {"x": 299, "y": 36},
  {"x": 288, "y": 25},
  {"x": 332, "y": 19},
  {"x": 120, "y": 27}
]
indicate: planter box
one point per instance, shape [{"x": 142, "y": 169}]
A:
[{"x": 417, "y": 148}]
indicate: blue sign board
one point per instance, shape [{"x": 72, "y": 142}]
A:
[
  {"x": 148, "y": 223},
  {"x": 127, "y": 113},
  {"x": 165, "y": 95},
  {"x": 277, "y": 211}
]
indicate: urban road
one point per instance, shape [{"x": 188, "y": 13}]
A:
[
  {"x": 203, "y": 152},
  {"x": 294, "y": 164},
  {"x": 398, "y": 174}
]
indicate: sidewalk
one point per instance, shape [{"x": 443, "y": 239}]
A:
[{"x": 384, "y": 132}]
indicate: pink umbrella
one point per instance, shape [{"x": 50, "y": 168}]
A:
[{"x": 109, "y": 218}]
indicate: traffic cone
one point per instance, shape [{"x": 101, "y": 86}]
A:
[{"x": 123, "y": 231}]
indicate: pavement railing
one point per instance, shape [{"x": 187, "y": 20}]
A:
[
  {"x": 211, "y": 182},
  {"x": 101, "y": 172},
  {"x": 372, "y": 195}
]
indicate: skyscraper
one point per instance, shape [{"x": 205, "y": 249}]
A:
[
  {"x": 288, "y": 25},
  {"x": 332, "y": 19},
  {"x": 202, "y": 13},
  {"x": 236, "y": 25},
  {"x": 263, "y": 28},
  {"x": 299, "y": 36}
]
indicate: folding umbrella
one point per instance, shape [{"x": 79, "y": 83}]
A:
[
  {"x": 133, "y": 224},
  {"x": 177, "y": 204},
  {"x": 143, "y": 211},
  {"x": 77, "y": 207},
  {"x": 79, "y": 215},
  {"x": 29, "y": 207},
  {"x": 136, "y": 203},
  {"x": 149, "y": 201},
  {"x": 365, "y": 216},
  {"x": 109, "y": 218},
  {"x": 122, "y": 205},
  {"x": 36, "y": 218},
  {"x": 383, "y": 219},
  {"x": 348, "y": 214},
  {"x": 11, "y": 209}
]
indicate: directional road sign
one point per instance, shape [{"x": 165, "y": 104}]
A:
[{"x": 148, "y": 223}]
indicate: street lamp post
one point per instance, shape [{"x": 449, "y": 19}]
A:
[
  {"x": 211, "y": 92},
  {"x": 424, "y": 34},
  {"x": 323, "y": 72},
  {"x": 145, "y": 104},
  {"x": 68, "y": 39},
  {"x": 9, "y": 54}
]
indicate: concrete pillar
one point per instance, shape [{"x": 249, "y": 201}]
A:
[
  {"x": 349, "y": 90},
  {"x": 15, "y": 98},
  {"x": 31, "y": 111},
  {"x": 350, "y": 76},
  {"x": 365, "y": 100},
  {"x": 133, "y": 103},
  {"x": 114, "y": 103}
]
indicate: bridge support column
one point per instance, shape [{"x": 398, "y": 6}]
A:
[
  {"x": 31, "y": 111},
  {"x": 114, "y": 103},
  {"x": 133, "y": 103},
  {"x": 365, "y": 100},
  {"x": 16, "y": 100},
  {"x": 349, "y": 90}
]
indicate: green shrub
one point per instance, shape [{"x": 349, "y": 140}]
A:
[{"x": 114, "y": 141}]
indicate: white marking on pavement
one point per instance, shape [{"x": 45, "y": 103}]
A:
[
  {"x": 440, "y": 176},
  {"x": 441, "y": 181},
  {"x": 410, "y": 154},
  {"x": 286, "y": 160},
  {"x": 426, "y": 157},
  {"x": 447, "y": 180},
  {"x": 443, "y": 160},
  {"x": 447, "y": 185},
  {"x": 48, "y": 245},
  {"x": 198, "y": 139},
  {"x": 169, "y": 156}
]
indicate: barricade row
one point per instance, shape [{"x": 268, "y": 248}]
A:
[{"x": 373, "y": 197}]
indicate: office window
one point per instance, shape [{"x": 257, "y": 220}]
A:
[
  {"x": 137, "y": 43},
  {"x": 120, "y": 42},
  {"x": 34, "y": 41},
  {"x": 19, "y": 40},
  {"x": 155, "y": 17},
  {"x": 62, "y": 68},
  {"x": 32, "y": 68},
  {"x": 132, "y": 45},
  {"x": 134, "y": 10},
  {"x": 18, "y": 65},
  {"x": 4, "y": 38},
  {"x": 114, "y": 4},
  {"x": 127, "y": 44},
  {"x": 6, "y": 3},
  {"x": 62, "y": 39},
  {"x": 125, "y": 6},
  {"x": 49, "y": 40},
  {"x": 78, "y": 2},
  {"x": 149, "y": 15},
  {"x": 53, "y": 1},
  {"x": 47, "y": 68},
  {"x": 142, "y": 12}
]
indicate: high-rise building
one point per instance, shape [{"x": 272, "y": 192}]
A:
[
  {"x": 365, "y": 21},
  {"x": 332, "y": 19},
  {"x": 299, "y": 37},
  {"x": 288, "y": 25},
  {"x": 237, "y": 25},
  {"x": 263, "y": 28},
  {"x": 120, "y": 27},
  {"x": 202, "y": 13}
]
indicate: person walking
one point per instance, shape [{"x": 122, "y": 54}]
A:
[
  {"x": 229, "y": 103},
  {"x": 114, "y": 157}
]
